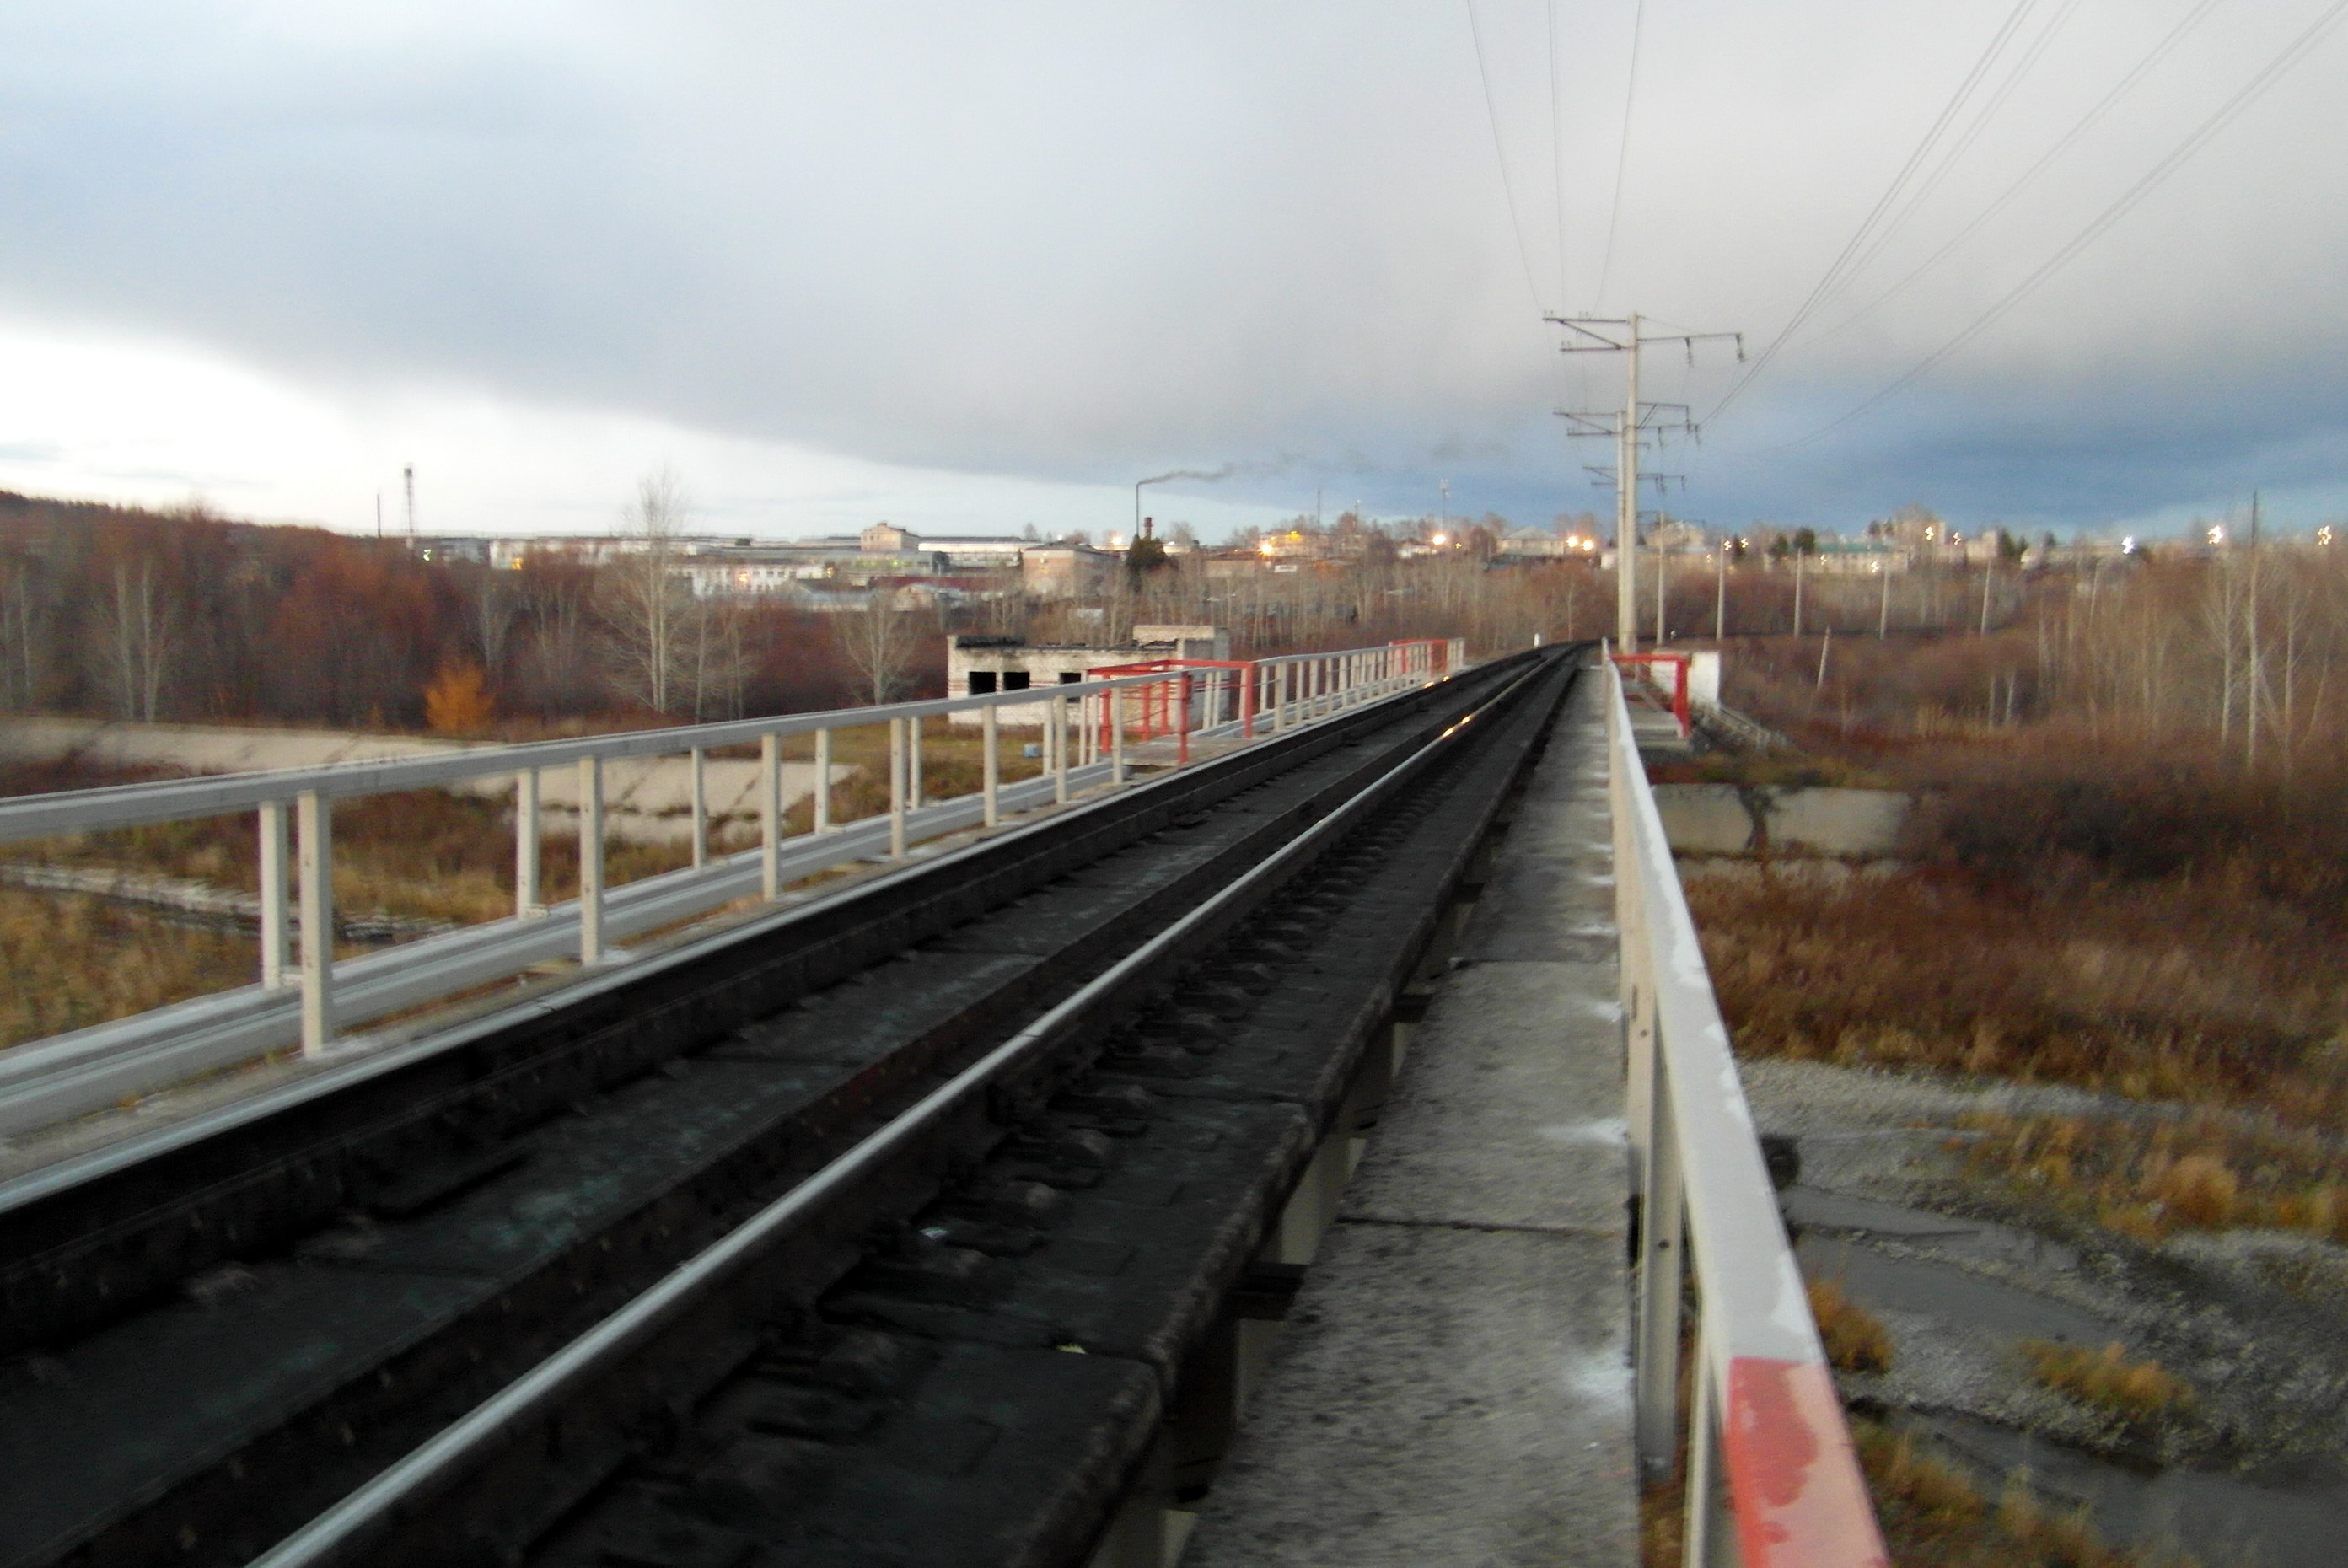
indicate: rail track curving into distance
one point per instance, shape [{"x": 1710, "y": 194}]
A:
[{"x": 889, "y": 1228}]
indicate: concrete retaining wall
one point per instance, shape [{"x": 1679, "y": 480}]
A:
[{"x": 1740, "y": 819}]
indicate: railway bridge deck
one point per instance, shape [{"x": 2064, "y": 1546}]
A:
[{"x": 1278, "y": 1154}]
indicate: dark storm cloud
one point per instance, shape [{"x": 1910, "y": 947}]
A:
[{"x": 1089, "y": 244}]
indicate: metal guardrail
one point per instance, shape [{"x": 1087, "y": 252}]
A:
[
  {"x": 343, "y": 1532},
  {"x": 1089, "y": 740},
  {"x": 1746, "y": 731},
  {"x": 1772, "y": 1477}
]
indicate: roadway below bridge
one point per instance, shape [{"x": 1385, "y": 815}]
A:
[{"x": 1002, "y": 1208}]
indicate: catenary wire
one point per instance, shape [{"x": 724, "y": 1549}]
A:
[
  {"x": 1508, "y": 187},
  {"x": 1923, "y": 192},
  {"x": 2045, "y": 162},
  {"x": 1557, "y": 155},
  {"x": 1623, "y": 154},
  {"x": 2275, "y": 69},
  {"x": 1841, "y": 264}
]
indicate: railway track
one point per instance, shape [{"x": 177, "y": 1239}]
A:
[{"x": 909, "y": 1225}]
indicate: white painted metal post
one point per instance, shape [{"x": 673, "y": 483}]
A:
[
  {"x": 770, "y": 816},
  {"x": 1663, "y": 1231},
  {"x": 700, "y": 809},
  {"x": 1117, "y": 738},
  {"x": 896, "y": 789},
  {"x": 912, "y": 764},
  {"x": 989, "y": 767},
  {"x": 315, "y": 817},
  {"x": 822, "y": 822},
  {"x": 1059, "y": 744},
  {"x": 591, "y": 860},
  {"x": 529, "y": 903},
  {"x": 272, "y": 894},
  {"x": 1710, "y": 1538}
]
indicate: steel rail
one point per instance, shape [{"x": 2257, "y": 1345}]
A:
[
  {"x": 356, "y": 1522},
  {"x": 1773, "y": 1480},
  {"x": 169, "y": 1052}
]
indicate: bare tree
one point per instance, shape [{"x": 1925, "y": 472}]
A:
[
  {"x": 135, "y": 640},
  {"x": 496, "y": 606},
  {"x": 878, "y": 642},
  {"x": 648, "y": 610},
  {"x": 26, "y": 613}
]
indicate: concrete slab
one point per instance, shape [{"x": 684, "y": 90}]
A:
[
  {"x": 1454, "y": 1383},
  {"x": 1704, "y": 818},
  {"x": 1827, "y": 821},
  {"x": 1442, "y": 1395},
  {"x": 1508, "y": 1112}
]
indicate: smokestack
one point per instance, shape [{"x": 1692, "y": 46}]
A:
[
  {"x": 1148, "y": 527},
  {"x": 409, "y": 474}
]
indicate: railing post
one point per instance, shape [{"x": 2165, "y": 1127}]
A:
[
  {"x": 770, "y": 816},
  {"x": 1247, "y": 704},
  {"x": 822, "y": 817},
  {"x": 273, "y": 895},
  {"x": 913, "y": 764},
  {"x": 1663, "y": 1233},
  {"x": 1059, "y": 744},
  {"x": 1709, "y": 1529},
  {"x": 700, "y": 810},
  {"x": 896, "y": 789},
  {"x": 591, "y": 860},
  {"x": 315, "y": 817},
  {"x": 529, "y": 903},
  {"x": 1115, "y": 737},
  {"x": 990, "y": 765}
]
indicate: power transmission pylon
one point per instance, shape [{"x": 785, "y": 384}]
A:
[{"x": 1620, "y": 335}]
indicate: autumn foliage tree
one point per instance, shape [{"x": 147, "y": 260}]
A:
[{"x": 458, "y": 702}]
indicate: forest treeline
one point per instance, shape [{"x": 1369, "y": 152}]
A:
[{"x": 124, "y": 613}]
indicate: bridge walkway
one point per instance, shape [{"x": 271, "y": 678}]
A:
[{"x": 1453, "y": 1384}]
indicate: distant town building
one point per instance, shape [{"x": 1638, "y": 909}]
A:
[
  {"x": 977, "y": 665},
  {"x": 1066, "y": 570}
]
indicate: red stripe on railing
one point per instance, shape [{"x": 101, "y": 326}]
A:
[{"x": 1798, "y": 1497}]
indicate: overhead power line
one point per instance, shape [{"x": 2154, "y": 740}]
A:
[
  {"x": 2045, "y": 162},
  {"x": 1557, "y": 153},
  {"x": 1842, "y": 263},
  {"x": 2274, "y": 71},
  {"x": 1508, "y": 187},
  {"x": 1917, "y": 198},
  {"x": 1622, "y": 152}
]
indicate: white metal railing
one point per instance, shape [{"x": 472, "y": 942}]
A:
[
  {"x": 1094, "y": 733},
  {"x": 1772, "y": 1478}
]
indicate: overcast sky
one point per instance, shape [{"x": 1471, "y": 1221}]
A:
[{"x": 968, "y": 267}]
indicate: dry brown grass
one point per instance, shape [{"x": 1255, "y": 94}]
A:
[
  {"x": 1854, "y": 1338},
  {"x": 2107, "y": 1379},
  {"x": 2156, "y": 992},
  {"x": 71, "y": 961},
  {"x": 68, "y": 962},
  {"x": 2200, "y": 1173}
]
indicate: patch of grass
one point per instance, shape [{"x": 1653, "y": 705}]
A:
[
  {"x": 2198, "y": 1173},
  {"x": 2164, "y": 991},
  {"x": 1854, "y": 1338},
  {"x": 2107, "y": 1379},
  {"x": 66, "y": 963}
]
